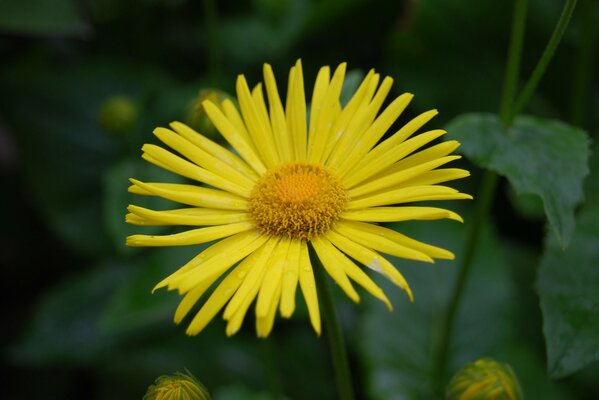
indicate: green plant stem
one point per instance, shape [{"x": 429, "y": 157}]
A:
[
  {"x": 272, "y": 368},
  {"x": 583, "y": 75},
  {"x": 336, "y": 342},
  {"x": 485, "y": 196},
  {"x": 541, "y": 66},
  {"x": 512, "y": 70}
]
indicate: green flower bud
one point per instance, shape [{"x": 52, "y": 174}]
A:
[
  {"x": 197, "y": 118},
  {"x": 484, "y": 379},
  {"x": 178, "y": 386},
  {"x": 118, "y": 114}
]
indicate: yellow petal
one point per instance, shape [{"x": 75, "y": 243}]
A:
[
  {"x": 193, "y": 236},
  {"x": 370, "y": 259},
  {"x": 391, "y": 214},
  {"x": 402, "y": 240},
  {"x": 392, "y": 180},
  {"x": 296, "y": 111},
  {"x": 277, "y": 116},
  {"x": 190, "y": 194},
  {"x": 437, "y": 176},
  {"x": 272, "y": 279},
  {"x": 379, "y": 160},
  {"x": 379, "y": 242},
  {"x": 407, "y": 195},
  {"x": 265, "y": 323},
  {"x": 308, "y": 286},
  {"x": 214, "y": 149},
  {"x": 185, "y": 216},
  {"x": 218, "y": 299},
  {"x": 290, "y": 279},
  {"x": 190, "y": 299},
  {"x": 234, "y": 137},
  {"x": 325, "y": 252}
]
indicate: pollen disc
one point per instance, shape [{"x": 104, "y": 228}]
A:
[{"x": 298, "y": 200}]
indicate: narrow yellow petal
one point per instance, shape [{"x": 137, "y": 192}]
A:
[
  {"x": 318, "y": 93},
  {"x": 203, "y": 158},
  {"x": 355, "y": 273},
  {"x": 308, "y": 286},
  {"x": 407, "y": 195},
  {"x": 253, "y": 280},
  {"x": 375, "y": 132},
  {"x": 370, "y": 259},
  {"x": 264, "y": 324},
  {"x": 215, "y": 266},
  {"x": 272, "y": 279},
  {"x": 277, "y": 116},
  {"x": 214, "y": 149},
  {"x": 426, "y": 155},
  {"x": 402, "y": 240},
  {"x": 391, "y": 214},
  {"x": 218, "y": 299},
  {"x": 190, "y": 194},
  {"x": 359, "y": 124},
  {"x": 190, "y": 299},
  {"x": 295, "y": 107},
  {"x": 186, "y": 216},
  {"x": 437, "y": 176},
  {"x": 193, "y": 171},
  {"x": 290, "y": 279},
  {"x": 221, "y": 247},
  {"x": 325, "y": 115},
  {"x": 378, "y": 241},
  {"x": 358, "y": 101},
  {"x": 326, "y": 254},
  {"x": 392, "y": 180},
  {"x": 379, "y": 160},
  {"x": 193, "y": 236},
  {"x": 258, "y": 129},
  {"x": 234, "y": 137}
]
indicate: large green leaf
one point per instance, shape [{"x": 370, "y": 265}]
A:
[
  {"x": 542, "y": 157},
  {"x": 398, "y": 349},
  {"x": 568, "y": 284},
  {"x": 41, "y": 17}
]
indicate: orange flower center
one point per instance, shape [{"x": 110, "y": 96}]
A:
[{"x": 299, "y": 200}]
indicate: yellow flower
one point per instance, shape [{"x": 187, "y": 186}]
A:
[
  {"x": 178, "y": 386},
  {"x": 484, "y": 379},
  {"x": 289, "y": 182}
]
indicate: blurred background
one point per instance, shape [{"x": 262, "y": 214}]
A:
[{"x": 83, "y": 84}]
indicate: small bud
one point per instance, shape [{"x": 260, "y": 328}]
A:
[
  {"x": 484, "y": 379},
  {"x": 118, "y": 114},
  {"x": 175, "y": 387},
  {"x": 197, "y": 118}
]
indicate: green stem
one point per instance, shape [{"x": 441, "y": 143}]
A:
[
  {"x": 272, "y": 368},
  {"x": 336, "y": 343},
  {"x": 512, "y": 70},
  {"x": 583, "y": 75},
  {"x": 541, "y": 66},
  {"x": 485, "y": 198}
]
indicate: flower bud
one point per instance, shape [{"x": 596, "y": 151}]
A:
[
  {"x": 197, "y": 118},
  {"x": 177, "y": 386},
  {"x": 484, "y": 379},
  {"x": 118, "y": 114}
]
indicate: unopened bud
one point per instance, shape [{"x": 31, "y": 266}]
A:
[
  {"x": 484, "y": 379},
  {"x": 118, "y": 114},
  {"x": 175, "y": 387},
  {"x": 196, "y": 115}
]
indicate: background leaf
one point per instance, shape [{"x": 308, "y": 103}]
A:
[
  {"x": 543, "y": 157},
  {"x": 568, "y": 285}
]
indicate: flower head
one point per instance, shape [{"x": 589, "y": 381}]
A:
[
  {"x": 178, "y": 386},
  {"x": 484, "y": 379},
  {"x": 288, "y": 184}
]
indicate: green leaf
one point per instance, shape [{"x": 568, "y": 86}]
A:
[
  {"x": 398, "y": 348},
  {"x": 41, "y": 17},
  {"x": 568, "y": 285},
  {"x": 544, "y": 157}
]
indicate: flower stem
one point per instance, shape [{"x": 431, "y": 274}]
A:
[
  {"x": 272, "y": 368},
  {"x": 583, "y": 76},
  {"x": 541, "y": 66},
  {"x": 336, "y": 342}
]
